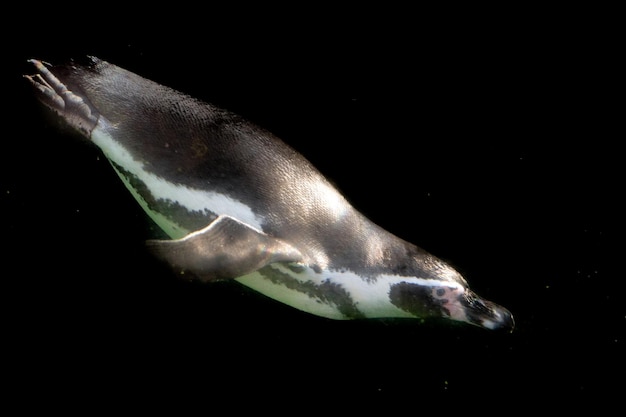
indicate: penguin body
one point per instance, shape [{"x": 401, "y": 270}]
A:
[{"x": 238, "y": 203}]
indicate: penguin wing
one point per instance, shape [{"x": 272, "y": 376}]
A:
[{"x": 225, "y": 249}]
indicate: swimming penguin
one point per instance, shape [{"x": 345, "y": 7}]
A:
[{"x": 238, "y": 203}]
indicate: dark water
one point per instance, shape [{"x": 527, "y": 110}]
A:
[{"x": 494, "y": 150}]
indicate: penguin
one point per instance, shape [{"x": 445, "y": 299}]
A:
[{"x": 237, "y": 203}]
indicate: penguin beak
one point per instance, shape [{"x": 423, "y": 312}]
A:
[{"x": 486, "y": 314}]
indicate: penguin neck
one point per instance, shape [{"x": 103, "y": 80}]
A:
[{"x": 355, "y": 243}]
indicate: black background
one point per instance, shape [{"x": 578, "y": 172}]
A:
[{"x": 488, "y": 137}]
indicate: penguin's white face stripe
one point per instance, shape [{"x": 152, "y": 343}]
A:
[
  {"x": 193, "y": 200},
  {"x": 375, "y": 295}
]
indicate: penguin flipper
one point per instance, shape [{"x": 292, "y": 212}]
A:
[{"x": 225, "y": 249}]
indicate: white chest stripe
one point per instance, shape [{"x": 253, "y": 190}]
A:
[
  {"x": 370, "y": 297},
  {"x": 161, "y": 189}
]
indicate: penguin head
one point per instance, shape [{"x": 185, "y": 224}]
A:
[{"x": 454, "y": 300}]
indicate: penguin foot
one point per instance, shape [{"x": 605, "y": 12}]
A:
[{"x": 70, "y": 106}]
